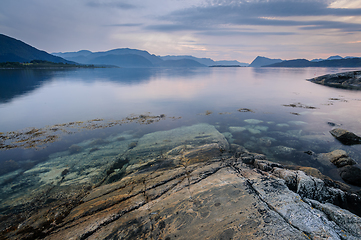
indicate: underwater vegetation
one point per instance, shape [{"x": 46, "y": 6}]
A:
[{"x": 36, "y": 137}]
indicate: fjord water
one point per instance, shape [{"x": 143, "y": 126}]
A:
[{"x": 253, "y": 107}]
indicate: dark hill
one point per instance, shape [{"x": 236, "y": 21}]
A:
[
  {"x": 348, "y": 62},
  {"x": 126, "y": 60},
  {"x": 13, "y": 50},
  {"x": 293, "y": 63},
  {"x": 263, "y": 61}
]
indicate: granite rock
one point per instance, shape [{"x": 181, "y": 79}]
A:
[{"x": 195, "y": 187}]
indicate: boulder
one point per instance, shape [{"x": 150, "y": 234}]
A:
[
  {"x": 351, "y": 174},
  {"x": 345, "y": 137},
  {"x": 338, "y": 157}
]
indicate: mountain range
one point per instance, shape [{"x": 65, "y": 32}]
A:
[
  {"x": 206, "y": 61},
  {"x": 333, "y": 61},
  {"x": 13, "y": 50},
  {"x": 343, "y": 62},
  {"x": 126, "y": 57}
]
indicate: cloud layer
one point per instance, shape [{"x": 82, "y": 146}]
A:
[{"x": 220, "y": 29}]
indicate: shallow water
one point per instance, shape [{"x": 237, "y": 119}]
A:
[{"x": 274, "y": 111}]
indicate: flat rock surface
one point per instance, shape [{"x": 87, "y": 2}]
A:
[{"x": 196, "y": 187}]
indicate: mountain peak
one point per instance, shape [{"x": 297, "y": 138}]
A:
[
  {"x": 13, "y": 50},
  {"x": 260, "y": 61}
]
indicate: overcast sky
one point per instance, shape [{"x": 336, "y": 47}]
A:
[{"x": 219, "y": 29}]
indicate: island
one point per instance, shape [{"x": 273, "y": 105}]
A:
[
  {"x": 347, "y": 80},
  {"x": 42, "y": 64}
]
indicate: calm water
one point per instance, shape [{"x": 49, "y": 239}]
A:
[{"x": 43, "y": 98}]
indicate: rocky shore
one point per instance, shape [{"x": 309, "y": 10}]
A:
[
  {"x": 348, "y": 80},
  {"x": 186, "y": 183}
]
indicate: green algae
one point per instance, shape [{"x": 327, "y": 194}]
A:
[{"x": 39, "y": 137}]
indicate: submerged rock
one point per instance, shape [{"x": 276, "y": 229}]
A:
[
  {"x": 339, "y": 158},
  {"x": 348, "y": 169},
  {"x": 351, "y": 174},
  {"x": 345, "y": 137},
  {"x": 236, "y": 129},
  {"x": 253, "y": 121}
]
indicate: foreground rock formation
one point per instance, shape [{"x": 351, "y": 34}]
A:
[
  {"x": 348, "y": 80},
  {"x": 190, "y": 183}
]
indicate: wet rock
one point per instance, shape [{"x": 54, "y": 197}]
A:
[
  {"x": 265, "y": 165},
  {"x": 282, "y": 151},
  {"x": 312, "y": 222},
  {"x": 266, "y": 141},
  {"x": 228, "y": 136},
  {"x": 191, "y": 187},
  {"x": 345, "y": 137},
  {"x": 351, "y": 174},
  {"x": 314, "y": 173},
  {"x": 320, "y": 188},
  {"x": 74, "y": 149},
  {"x": 154, "y": 146},
  {"x": 341, "y": 217},
  {"x": 348, "y": 80},
  {"x": 337, "y": 157},
  {"x": 332, "y": 124}
]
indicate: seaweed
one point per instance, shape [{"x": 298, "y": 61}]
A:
[{"x": 39, "y": 137}]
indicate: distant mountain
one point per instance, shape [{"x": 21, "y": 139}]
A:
[
  {"x": 181, "y": 63},
  {"x": 13, "y": 50},
  {"x": 318, "y": 60},
  {"x": 263, "y": 61},
  {"x": 125, "y": 57},
  {"x": 337, "y": 57},
  {"x": 125, "y": 60},
  {"x": 204, "y": 61},
  {"x": 231, "y": 63},
  {"x": 349, "y": 62},
  {"x": 81, "y": 53},
  {"x": 122, "y": 57}
]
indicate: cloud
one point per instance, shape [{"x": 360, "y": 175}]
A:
[
  {"x": 125, "y": 25},
  {"x": 260, "y": 13},
  {"x": 245, "y": 33},
  {"x": 111, "y": 4}
]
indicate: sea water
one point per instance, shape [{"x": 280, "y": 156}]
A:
[{"x": 47, "y": 115}]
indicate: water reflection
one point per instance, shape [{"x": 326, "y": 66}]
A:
[{"x": 274, "y": 112}]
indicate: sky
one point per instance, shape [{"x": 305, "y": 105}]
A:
[{"x": 218, "y": 29}]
